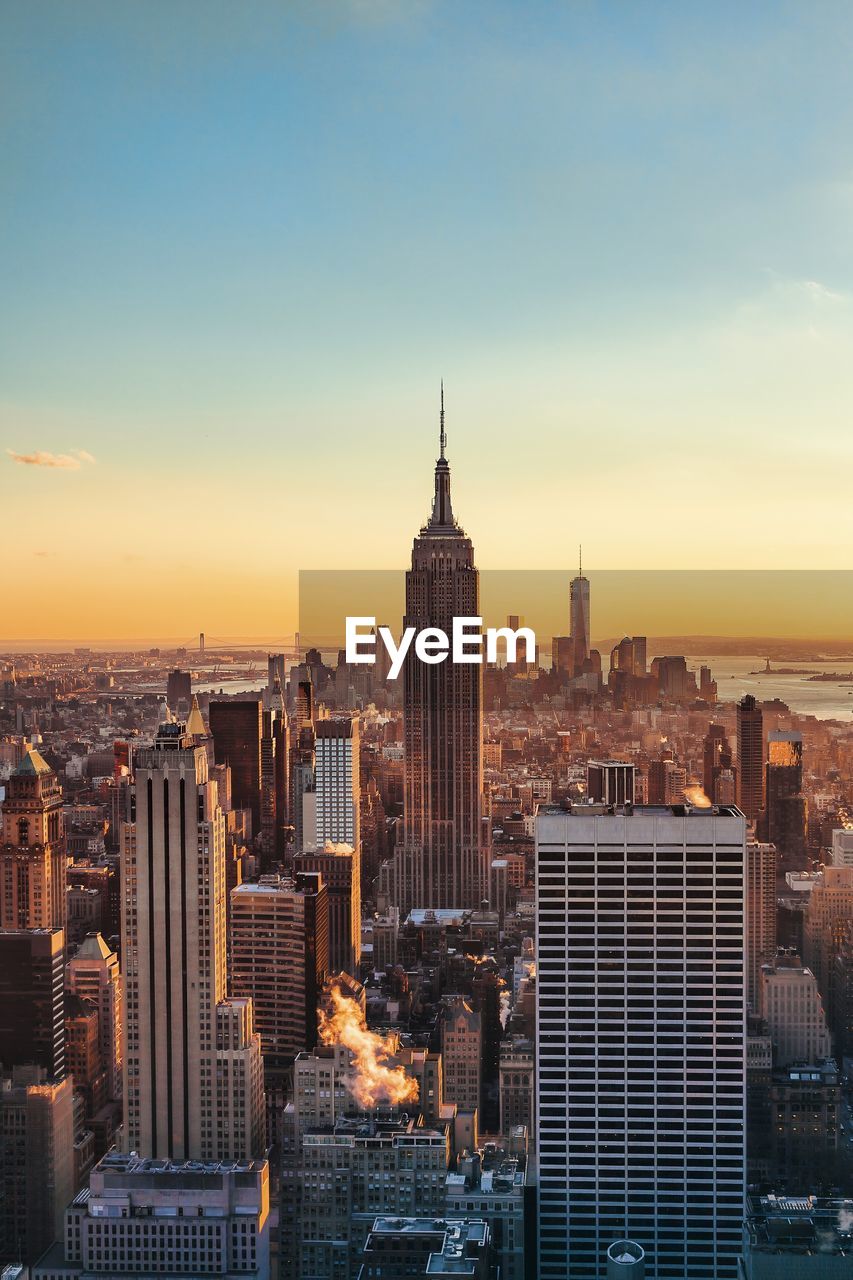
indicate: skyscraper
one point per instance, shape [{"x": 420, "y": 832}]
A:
[
  {"x": 32, "y": 999},
  {"x": 579, "y": 615},
  {"x": 36, "y": 1161},
  {"x": 750, "y": 757},
  {"x": 760, "y": 914},
  {"x": 337, "y": 782},
  {"x": 784, "y": 822},
  {"x": 441, "y": 861},
  {"x": 716, "y": 759},
  {"x": 641, "y": 1038},
  {"x": 237, "y": 727},
  {"x": 340, "y": 867},
  {"x": 32, "y": 853},
  {"x": 179, "y": 1040},
  {"x": 279, "y": 957},
  {"x": 93, "y": 974}
]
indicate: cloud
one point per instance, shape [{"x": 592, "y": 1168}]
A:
[{"x": 42, "y": 458}]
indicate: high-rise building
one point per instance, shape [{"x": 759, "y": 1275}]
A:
[
  {"x": 93, "y": 974},
  {"x": 340, "y": 867},
  {"x": 32, "y": 1012},
  {"x": 276, "y": 673},
  {"x": 667, "y": 781},
  {"x": 640, "y": 1038},
  {"x": 610, "y": 781},
  {"x": 791, "y": 1005},
  {"x": 280, "y": 957},
  {"x": 517, "y": 1086},
  {"x": 145, "y": 1217},
  {"x": 237, "y": 728},
  {"x": 442, "y": 861},
  {"x": 784, "y": 822},
  {"x": 750, "y": 757},
  {"x": 274, "y": 775},
  {"x": 829, "y": 911},
  {"x": 462, "y": 1054},
  {"x": 36, "y": 1161},
  {"x": 337, "y": 782},
  {"x": 760, "y": 914},
  {"x": 173, "y": 926},
  {"x": 579, "y": 615},
  {"x": 179, "y": 690},
  {"x": 716, "y": 759},
  {"x": 32, "y": 851}
]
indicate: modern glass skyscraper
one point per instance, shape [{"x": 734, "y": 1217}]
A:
[
  {"x": 640, "y": 1034},
  {"x": 441, "y": 862},
  {"x": 579, "y": 616}
]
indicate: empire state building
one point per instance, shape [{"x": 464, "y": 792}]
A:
[{"x": 441, "y": 861}]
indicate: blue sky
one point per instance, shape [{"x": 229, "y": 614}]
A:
[{"x": 242, "y": 242}]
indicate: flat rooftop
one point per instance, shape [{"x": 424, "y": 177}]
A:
[{"x": 583, "y": 809}]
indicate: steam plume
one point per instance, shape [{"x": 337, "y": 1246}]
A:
[
  {"x": 371, "y": 1080},
  {"x": 696, "y": 796}
]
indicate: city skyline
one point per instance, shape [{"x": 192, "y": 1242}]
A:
[{"x": 232, "y": 303}]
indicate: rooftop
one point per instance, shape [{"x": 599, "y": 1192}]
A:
[
  {"x": 800, "y": 1225},
  {"x": 132, "y": 1164},
  {"x": 588, "y": 809}
]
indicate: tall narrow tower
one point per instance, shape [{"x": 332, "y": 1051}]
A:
[
  {"x": 579, "y": 614},
  {"x": 441, "y": 861},
  {"x": 750, "y": 757}
]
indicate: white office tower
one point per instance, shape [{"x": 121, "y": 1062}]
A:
[
  {"x": 640, "y": 1029},
  {"x": 337, "y": 786},
  {"x": 186, "y": 1045}
]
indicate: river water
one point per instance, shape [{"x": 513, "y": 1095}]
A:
[{"x": 826, "y": 701}]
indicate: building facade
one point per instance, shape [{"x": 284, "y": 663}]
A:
[
  {"x": 32, "y": 848},
  {"x": 441, "y": 861},
  {"x": 640, "y": 1027},
  {"x": 173, "y": 925},
  {"x": 144, "y": 1217},
  {"x": 279, "y": 959}
]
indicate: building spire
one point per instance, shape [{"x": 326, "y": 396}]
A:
[
  {"x": 580, "y": 560},
  {"x": 442, "y": 511},
  {"x": 442, "y": 437}
]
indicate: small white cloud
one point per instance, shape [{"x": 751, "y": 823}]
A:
[{"x": 43, "y": 458}]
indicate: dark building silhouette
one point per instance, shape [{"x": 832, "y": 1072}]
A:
[
  {"x": 441, "y": 861},
  {"x": 750, "y": 757},
  {"x": 784, "y": 820},
  {"x": 237, "y": 728},
  {"x": 179, "y": 690},
  {"x": 716, "y": 757},
  {"x": 610, "y": 782},
  {"x": 32, "y": 999}
]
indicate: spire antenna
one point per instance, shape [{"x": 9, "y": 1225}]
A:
[
  {"x": 442, "y": 438},
  {"x": 580, "y": 560}
]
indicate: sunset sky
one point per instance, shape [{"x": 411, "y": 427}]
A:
[{"x": 243, "y": 242}]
